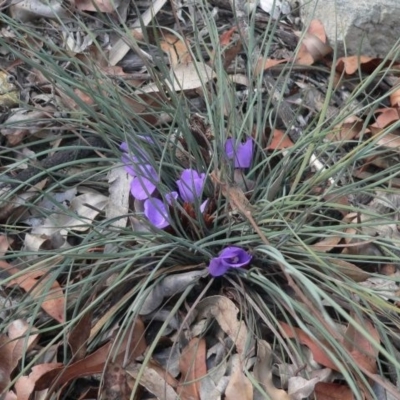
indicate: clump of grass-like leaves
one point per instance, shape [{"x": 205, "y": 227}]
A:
[{"x": 109, "y": 269}]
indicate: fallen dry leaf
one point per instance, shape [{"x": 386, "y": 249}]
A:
[
  {"x": 263, "y": 372},
  {"x": 230, "y": 47},
  {"x": 263, "y": 64},
  {"x": 332, "y": 391},
  {"x": 319, "y": 354},
  {"x": 119, "y": 189},
  {"x": 313, "y": 46},
  {"x": 225, "y": 313},
  {"x": 131, "y": 347},
  {"x": 191, "y": 76},
  {"x": 115, "y": 383},
  {"x": 280, "y": 140},
  {"x": 352, "y": 64},
  {"x": 23, "y": 123},
  {"x": 360, "y": 348},
  {"x": 184, "y": 77},
  {"x": 41, "y": 287},
  {"x": 167, "y": 287},
  {"x": 17, "y": 333},
  {"x": 240, "y": 79},
  {"x": 389, "y": 140},
  {"x": 83, "y": 209},
  {"x": 239, "y": 386},
  {"x": 327, "y": 243},
  {"x": 90, "y": 365},
  {"x": 226, "y": 37},
  {"x": 5, "y": 242},
  {"x": 301, "y": 388},
  {"x": 177, "y": 50},
  {"x": 10, "y": 396},
  {"x": 79, "y": 335},
  {"x": 121, "y": 47},
  {"x": 348, "y": 269},
  {"x": 386, "y": 117},
  {"x": 395, "y": 95},
  {"x": 30, "y": 10},
  {"x": 364, "y": 353},
  {"x": 6, "y": 362},
  {"x": 348, "y": 130},
  {"x": 192, "y": 365},
  {"x": 105, "y": 6},
  {"x": 25, "y": 385},
  {"x": 155, "y": 380},
  {"x": 275, "y": 8}
]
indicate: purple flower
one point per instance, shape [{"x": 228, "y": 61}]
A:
[
  {"x": 191, "y": 185},
  {"x": 124, "y": 147},
  {"x": 144, "y": 175},
  {"x": 242, "y": 153},
  {"x": 142, "y": 187},
  {"x": 156, "y": 212},
  {"x": 230, "y": 257},
  {"x": 171, "y": 197}
]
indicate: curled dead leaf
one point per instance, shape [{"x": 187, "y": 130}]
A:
[
  {"x": 363, "y": 350},
  {"x": 263, "y": 372},
  {"x": 40, "y": 286},
  {"x": 318, "y": 350},
  {"x": 176, "y": 48},
  {"x": 169, "y": 286},
  {"x": 133, "y": 344},
  {"x": 25, "y": 385},
  {"x": 313, "y": 46},
  {"x": 352, "y": 64},
  {"x": 105, "y": 6},
  {"x": 348, "y": 269},
  {"x": 239, "y": 386},
  {"x": 192, "y": 365},
  {"x": 225, "y": 313},
  {"x": 155, "y": 380}
]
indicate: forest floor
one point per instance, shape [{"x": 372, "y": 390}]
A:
[{"x": 196, "y": 202}]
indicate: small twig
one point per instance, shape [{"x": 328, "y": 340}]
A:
[{"x": 238, "y": 201}]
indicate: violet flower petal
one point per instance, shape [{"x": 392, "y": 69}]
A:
[
  {"x": 242, "y": 153},
  {"x": 147, "y": 171},
  {"x": 141, "y": 157},
  {"x": 229, "y": 149},
  {"x": 124, "y": 147},
  {"x": 144, "y": 183},
  {"x": 191, "y": 185},
  {"x": 131, "y": 164},
  {"x": 235, "y": 257},
  {"x": 203, "y": 205},
  {"x": 156, "y": 212},
  {"x": 129, "y": 170},
  {"x": 142, "y": 188},
  {"x": 128, "y": 162},
  {"x": 135, "y": 167},
  {"x": 230, "y": 257},
  {"x": 217, "y": 267},
  {"x": 147, "y": 139},
  {"x": 171, "y": 197}
]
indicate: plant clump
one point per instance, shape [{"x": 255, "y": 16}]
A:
[{"x": 199, "y": 206}]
